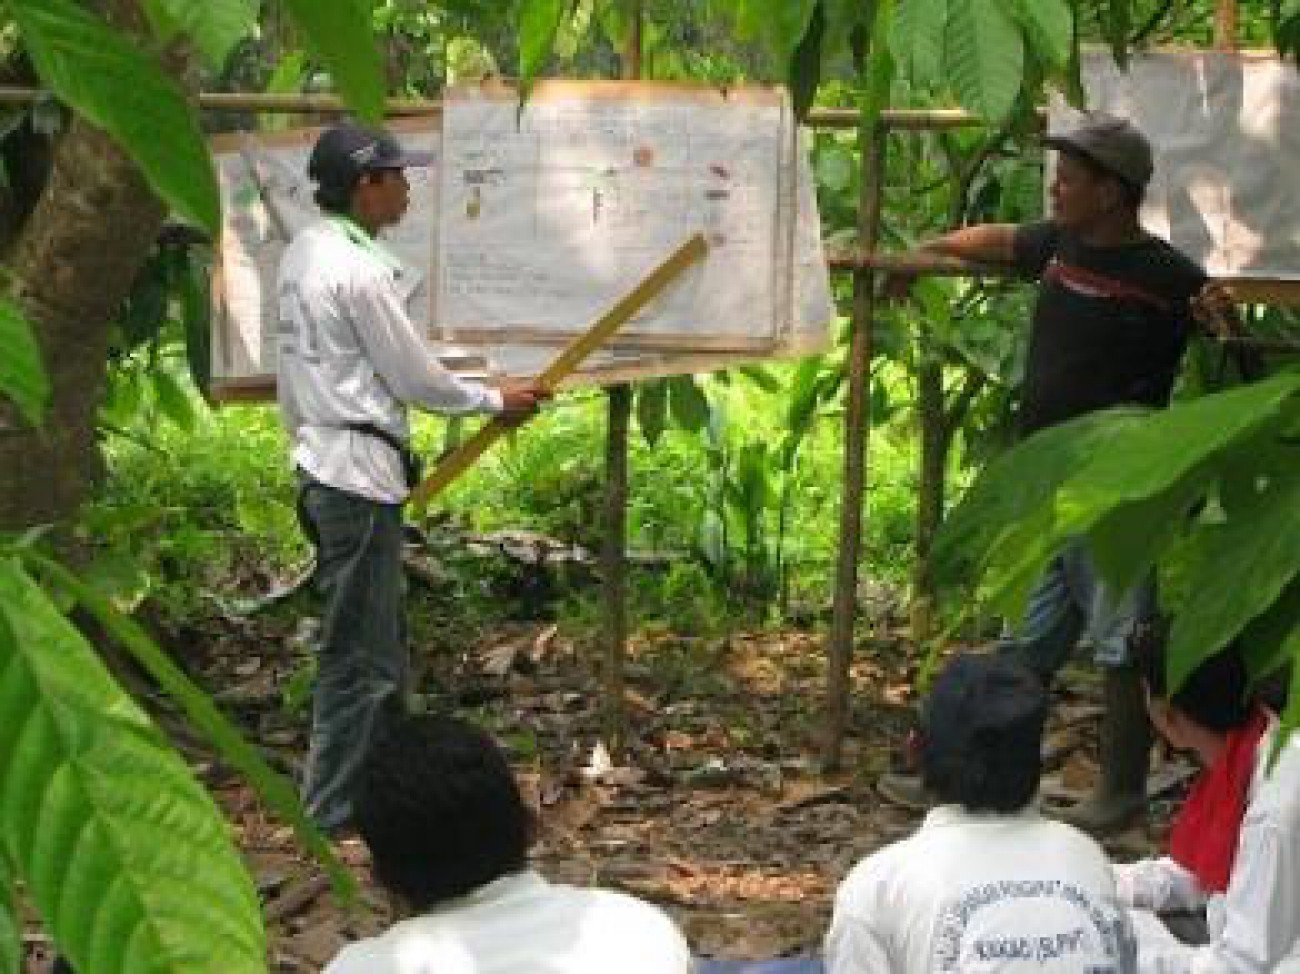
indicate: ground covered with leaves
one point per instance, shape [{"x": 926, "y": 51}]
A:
[{"x": 716, "y": 810}]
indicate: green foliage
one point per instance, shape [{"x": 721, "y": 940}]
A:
[
  {"x": 10, "y": 933},
  {"x": 1131, "y": 481},
  {"x": 193, "y": 512},
  {"x": 123, "y": 853},
  {"x": 539, "y": 22},
  {"x": 917, "y": 38},
  {"x": 1116, "y": 26},
  {"x": 340, "y": 34},
  {"x": 984, "y": 56},
  {"x": 1049, "y": 27},
  {"x": 275, "y": 791},
  {"x": 1286, "y": 27},
  {"x": 215, "y": 26},
  {"x": 877, "y": 68},
  {"x": 104, "y": 77},
  {"x": 22, "y": 375},
  {"x": 806, "y": 63}
]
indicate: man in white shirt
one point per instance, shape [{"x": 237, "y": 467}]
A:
[
  {"x": 350, "y": 361},
  {"x": 448, "y": 832},
  {"x": 986, "y": 884},
  {"x": 1235, "y": 846}
]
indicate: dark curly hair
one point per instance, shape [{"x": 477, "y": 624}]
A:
[
  {"x": 982, "y": 732},
  {"x": 440, "y": 810},
  {"x": 1215, "y": 695}
]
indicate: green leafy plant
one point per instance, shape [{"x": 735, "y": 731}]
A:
[
  {"x": 22, "y": 378},
  {"x": 1208, "y": 491},
  {"x": 119, "y": 847},
  {"x": 125, "y": 857}
]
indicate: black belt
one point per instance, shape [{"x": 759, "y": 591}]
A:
[{"x": 411, "y": 466}]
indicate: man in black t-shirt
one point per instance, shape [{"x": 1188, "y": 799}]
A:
[{"x": 1114, "y": 312}]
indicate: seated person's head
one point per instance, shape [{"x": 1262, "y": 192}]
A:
[
  {"x": 439, "y": 808},
  {"x": 982, "y": 733},
  {"x": 1215, "y": 696}
]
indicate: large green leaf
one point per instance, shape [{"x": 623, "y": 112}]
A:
[
  {"x": 215, "y": 26},
  {"x": 102, "y": 76},
  {"x": 1049, "y": 28},
  {"x": 878, "y": 69},
  {"x": 1017, "y": 486},
  {"x": 22, "y": 375},
  {"x": 1172, "y": 443},
  {"x": 806, "y": 64},
  {"x": 274, "y": 790},
  {"x": 339, "y": 32},
  {"x": 1127, "y": 540},
  {"x": 1116, "y": 26},
  {"x": 122, "y": 851},
  {"x": 1290, "y": 716},
  {"x": 917, "y": 40},
  {"x": 539, "y": 21},
  {"x": 985, "y": 55},
  {"x": 10, "y": 932},
  {"x": 1273, "y": 638},
  {"x": 1247, "y": 563},
  {"x": 783, "y": 24},
  {"x": 687, "y": 404},
  {"x": 652, "y": 409},
  {"x": 1137, "y": 459},
  {"x": 845, "y": 19},
  {"x": 195, "y": 278}
]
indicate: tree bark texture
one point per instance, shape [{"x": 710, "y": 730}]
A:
[{"x": 69, "y": 270}]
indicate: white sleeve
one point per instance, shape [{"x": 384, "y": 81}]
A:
[
  {"x": 853, "y": 946},
  {"x": 1157, "y": 885},
  {"x": 401, "y": 357},
  {"x": 1260, "y": 910}
]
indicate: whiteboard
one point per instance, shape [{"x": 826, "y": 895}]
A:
[{"x": 550, "y": 213}]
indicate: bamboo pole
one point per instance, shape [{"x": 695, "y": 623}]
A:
[
  {"x": 902, "y": 119},
  {"x": 613, "y": 548},
  {"x": 856, "y": 424},
  {"x": 573, "y": 355}
]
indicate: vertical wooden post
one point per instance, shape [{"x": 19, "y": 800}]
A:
[
  {"x": 1225, "y": 25},
  {"x": 613, "y": 553},
  {"x": 856, "y": 425}
]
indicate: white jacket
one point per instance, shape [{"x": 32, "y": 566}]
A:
[
  {"x": 979, "y": 894},
  {"x": 348, "y": 354},
  {"x": 1254, "y": 925},
  {"x": 521, "y": 924}
]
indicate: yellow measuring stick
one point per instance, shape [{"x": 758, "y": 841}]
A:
[{"x": 463, "y": 457}]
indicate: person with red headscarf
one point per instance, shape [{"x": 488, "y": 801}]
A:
[{"x": 1234, "y": 849}]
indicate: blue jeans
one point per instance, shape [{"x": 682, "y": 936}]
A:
[
  {"x": 362, "y": 664},
  {"x": 1071, "y": 601}
]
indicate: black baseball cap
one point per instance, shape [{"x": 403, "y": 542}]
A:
[
  {"x": 1115, "y": 144},
  {"x": 345, "y": 151}
]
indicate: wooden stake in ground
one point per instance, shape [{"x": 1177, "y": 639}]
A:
[{"x": 463, "y": 457}]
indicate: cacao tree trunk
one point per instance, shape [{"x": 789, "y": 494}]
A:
[
  {"x": 69, "y": 270},
  {"x": 931, "y": 484}
]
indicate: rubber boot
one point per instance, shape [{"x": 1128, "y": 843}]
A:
[
  {"x": 1120, "y": 797},
  {"x": 905, "y": 790}
]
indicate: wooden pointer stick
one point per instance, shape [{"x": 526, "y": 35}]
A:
[{"x": 463, "y": 457}]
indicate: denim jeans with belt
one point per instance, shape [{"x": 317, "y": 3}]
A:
[
  {"x": 1071, "y": 601},
  {"x": 363, "y": 665}
]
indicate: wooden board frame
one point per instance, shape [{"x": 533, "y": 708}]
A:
[{"x": 647, "y": 355}]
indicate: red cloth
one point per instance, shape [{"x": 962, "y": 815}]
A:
[{"x": 1204, "y": 835}]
